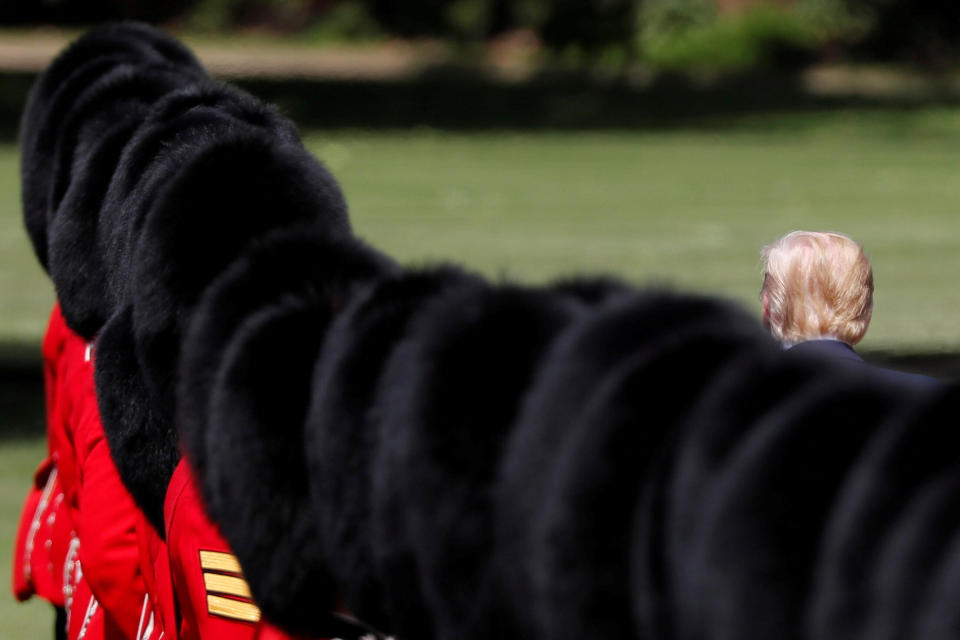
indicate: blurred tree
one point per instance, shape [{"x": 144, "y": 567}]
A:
[
  {"x": 588, "y": 26},
  {"x": 284, "y": 15},
  {"x": 690, "y": 34},
  {"x": 924, "y": 31},
  {"x": 423, "y": 18},
  {"x": 464, "y": 19},
  {"x": 89, "y": 11},
  {"x": 664, "y": 21}
]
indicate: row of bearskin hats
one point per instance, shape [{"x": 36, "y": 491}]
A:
[{"x": 458, "y": 458}]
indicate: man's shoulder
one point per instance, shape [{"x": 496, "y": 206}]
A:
[
  {"x": 843, "y": 354},
  {"x": 832, "y": 349},
  {"x": 914, "y": 380}
]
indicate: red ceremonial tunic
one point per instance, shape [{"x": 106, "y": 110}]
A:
[
  {"x": 101, "y": 509},
  {"x": 93, "y": 529},
  {"x": 205, "y": 594},
  {"x": 213, "y": 598},
  {"x": 83, "y": 544},
  {"x": 43, "y": 536}
]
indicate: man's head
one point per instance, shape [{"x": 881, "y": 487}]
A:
[{"x": 816, "y": 285}]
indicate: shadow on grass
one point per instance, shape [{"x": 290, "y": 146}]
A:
[
  {"x": 465, "y": 99},
  {"x": 21, "y": 382}
]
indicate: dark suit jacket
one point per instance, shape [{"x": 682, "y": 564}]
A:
[{"x": 843, "y": 353}]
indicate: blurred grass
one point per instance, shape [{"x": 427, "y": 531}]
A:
[
  {"x": 32, "y": 620},
  {"x": 25, "y": 290},
  {"x": 685, "y": 207},
  {"x": 690, "y": 208}
]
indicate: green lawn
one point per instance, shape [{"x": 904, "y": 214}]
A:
[
  {"x": 685, "y": 208},
  {"x": 691, "y": 208}
]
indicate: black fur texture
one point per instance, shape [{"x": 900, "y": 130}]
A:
[
  {"x": 142, "y": 442},
  {"x": 290, "y": 262},
  {"x": 394, "y": 546},
  {"x": 136, "y": 188},
  {"x": 179, "y": 127},
  {"x": 891, "y": 534},
  {"x": 767, "y": 499},
  {"x": 745, "y": 389},
  {"x": 132, "y": 159},
  {"x": 95, "y": 134},
  {"x": 55, "y": 93},
  {"x": 575, "y": 366},
  {"x": 256, "y": 412},
  {"x": 221, "y": 199},
  {"x": 340, "y": 438},
  {"x": 591, "y": 290},
  {"x": 471, "y": 359},
  {"x": 582, "y": 584}
]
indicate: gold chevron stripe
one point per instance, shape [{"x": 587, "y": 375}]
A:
[
  {"x": 233, "y": 609},
  {"x": 227, "y": 585},
  {"x": 219, "y": 561}
]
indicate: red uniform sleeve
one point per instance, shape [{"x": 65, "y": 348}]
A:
[
  {"x": 42, "y": 539},
  {"x": 213, "y": 596},
  {"x": 54, "y": 342},
  {"x": 106, "y": 516}
]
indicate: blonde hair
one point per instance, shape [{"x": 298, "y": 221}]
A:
[{"x": 817, "y": 285}]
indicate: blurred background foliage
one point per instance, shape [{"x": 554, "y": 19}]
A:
[{"x": 664, "y": 34}]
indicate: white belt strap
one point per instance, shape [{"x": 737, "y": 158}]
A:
[
  {"x": 145, "y": 628},
  {"x": 35, "y": 523},
  {"x": 71, "y": 573},
  {"x": 91, "y": 609}
]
